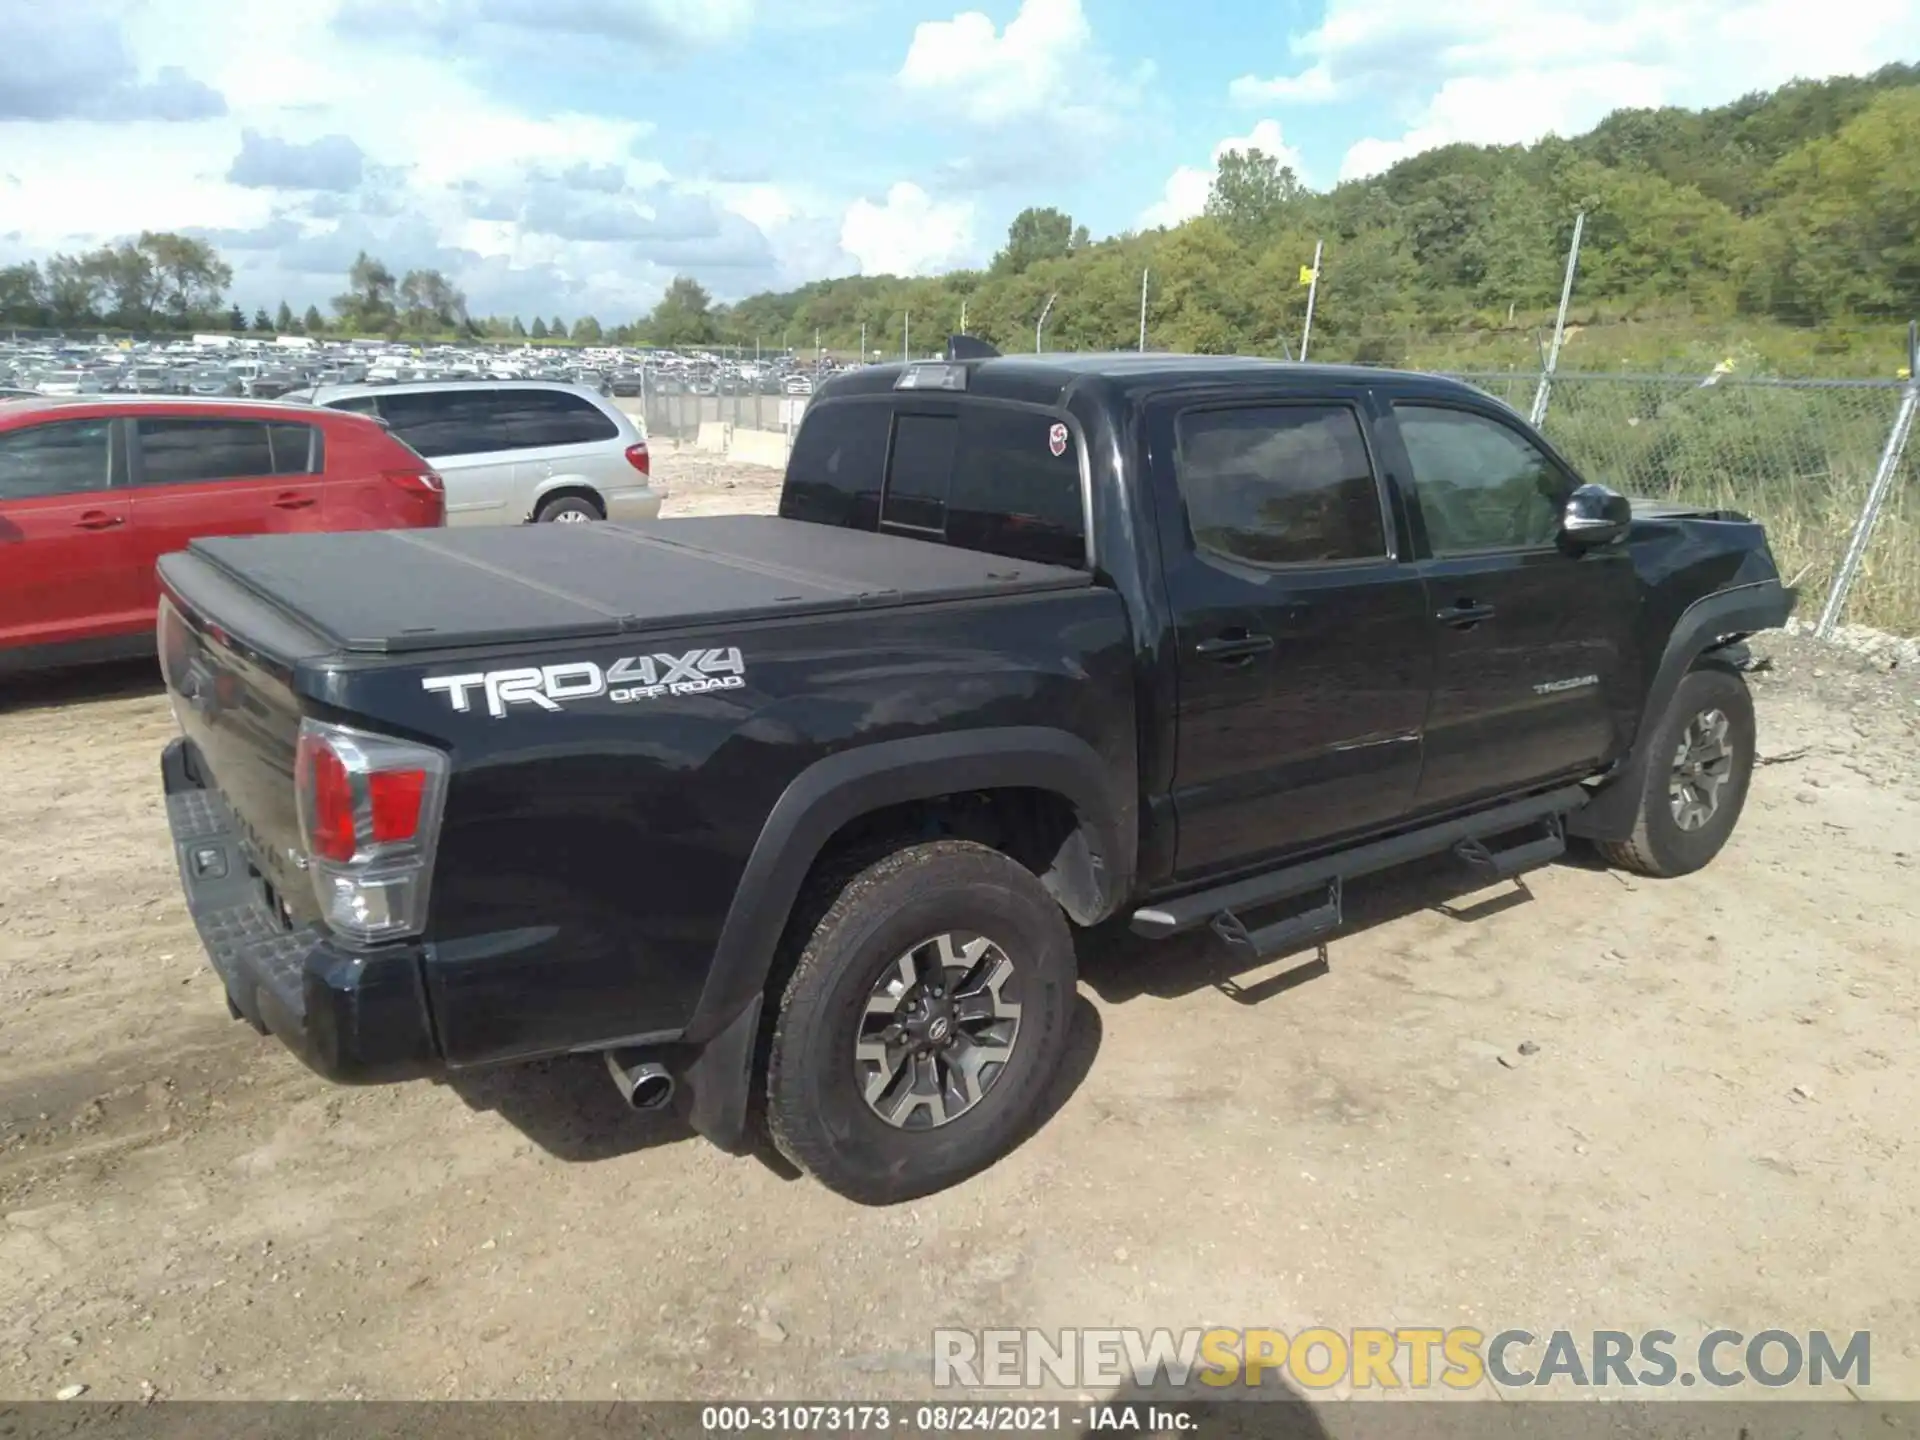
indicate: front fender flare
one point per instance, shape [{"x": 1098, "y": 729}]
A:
[{"x": 1709, "y": 623}]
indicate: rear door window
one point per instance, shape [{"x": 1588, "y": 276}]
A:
[
  {"x": 1280, "y": 484},
  {"x": 66, "y": 458},
  {"x": 187, "y": 451},
  {"x": 541, "y": 419},
  {"x": 447, "y": 422},
  {"x": 297, "y": 449},
  {"x": 838, "y": 463}
]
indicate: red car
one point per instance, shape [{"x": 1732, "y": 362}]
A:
[{"x": 94, "y": 489}]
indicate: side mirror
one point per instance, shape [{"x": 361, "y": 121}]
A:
[{"x": 1594, "y": 515}]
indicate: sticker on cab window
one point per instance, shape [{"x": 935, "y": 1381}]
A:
[{"x": 1057, "y": 440}]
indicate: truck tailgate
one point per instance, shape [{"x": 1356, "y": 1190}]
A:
[{"x": 394, "y": 592}]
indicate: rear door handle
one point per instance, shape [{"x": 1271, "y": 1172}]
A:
[
  {"x": 1465, "y": 615},
  {"x": 97, "y": 520},
  {"x": 292, "y": 500},
  {"x": 1233, "y": 647}
]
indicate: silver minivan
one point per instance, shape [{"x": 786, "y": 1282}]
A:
[{"x": 511, "y": 451}]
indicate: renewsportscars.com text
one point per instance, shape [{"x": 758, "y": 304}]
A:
[{"x": 1398, "y": 1358}]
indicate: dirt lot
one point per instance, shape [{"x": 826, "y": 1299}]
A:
[{"x": 1716, "y": 1127}]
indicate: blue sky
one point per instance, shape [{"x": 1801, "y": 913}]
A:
[{"x": 570, "y": 156}]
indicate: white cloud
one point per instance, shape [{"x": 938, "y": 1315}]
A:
[
  {"x": 1308, "y": 87},
  {"x": 911, "y": 234},
  {"x": 1186, "y": 190},
  {"x": 1510, "y": 71},
  {"x": 513, "y": 205},
  {"x": 1042, "y": 66}
]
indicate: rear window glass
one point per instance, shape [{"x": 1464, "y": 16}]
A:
[
  {"x": 538, "y": 419},
  {"x": 920, "y": 472},
  {"x": 838, "y": 461},
  {"x": 180, "y": 451}
]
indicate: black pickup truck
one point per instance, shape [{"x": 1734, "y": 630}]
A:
[{"x": 789, "y": 817}]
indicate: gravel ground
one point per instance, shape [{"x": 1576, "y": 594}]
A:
[{"x": 1710, "y": 1125}]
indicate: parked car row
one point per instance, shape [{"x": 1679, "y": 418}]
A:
[{"x": 94, "y": 487}]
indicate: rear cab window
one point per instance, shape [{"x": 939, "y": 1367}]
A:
[{"x": 978, "y": 474}]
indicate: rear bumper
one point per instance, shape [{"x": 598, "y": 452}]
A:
[
  {"x": 355, "y": 1017},
  {"x": 635, "y": 504}
]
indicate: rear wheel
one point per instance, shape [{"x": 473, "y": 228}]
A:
[
  {"x": 1696, "y": 783},
  {"x": 923, "y": 1023},
  {"x": 568, "y": 510}
]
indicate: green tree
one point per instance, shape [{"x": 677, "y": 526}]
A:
[
  {"x": 519, "y": 330},
  {"x": 587, "y": 331},
  {"x": 539, "y": 331},
  {"x": 1036, "y": 234},
  {"x": 557, "y": 328},
  {"x": 189, "y": 280},
  {"x": 262, "y": 322},
  {"x": 313, "y": 322},
  {"x": 1251, "y": 193},
  {"x": 684, "y": 315},
  {"x": 367, "y": 305},
  {"x": 74, "y": 291},
  {"x": 236, "y": 320},
  {"x": 430, "y": 304},
  {"x": 1842, "y": 236},
  {"x": 23, "y": 294},
  {"x": 283, "y": 320}
]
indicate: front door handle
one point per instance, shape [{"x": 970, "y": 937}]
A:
[
  {"x": 97, "y": 520},
  {"x": 1465, "y": 615},
  {"x": 292, "y": 500},
  {"x": 1228, "y": 648}
]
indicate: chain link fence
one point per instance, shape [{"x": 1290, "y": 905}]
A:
[{"x": 1798, "y": 455}]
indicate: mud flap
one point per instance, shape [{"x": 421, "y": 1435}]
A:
[{"x": 716, "y": 1086}]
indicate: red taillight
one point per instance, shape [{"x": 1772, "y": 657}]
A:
[
  {"x": 417, "y": 482},
  {"x": 638, "y": 458},
  {"x": 327, "y": 793},
  {"x": 395, "y": 797},
  {"x": 369, "y": 809}
]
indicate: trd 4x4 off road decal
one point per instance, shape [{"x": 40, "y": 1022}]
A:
[{"x": 636, "y": 677}]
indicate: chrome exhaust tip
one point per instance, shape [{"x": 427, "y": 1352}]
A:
[{"x": 644, "y": 1085}]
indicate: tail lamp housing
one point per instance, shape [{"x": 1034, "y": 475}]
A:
[
  {"x": 370, "y": 809},
  {"x": 640, "y": 458}
]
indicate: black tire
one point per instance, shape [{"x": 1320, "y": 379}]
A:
[
  {"x": 568, "y": 509},
  {"x": 1659, "y": 846},
  {"x": 817, "y": 1113}
]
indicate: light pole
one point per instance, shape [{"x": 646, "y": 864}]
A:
[{"x": 1041, "y": 324}]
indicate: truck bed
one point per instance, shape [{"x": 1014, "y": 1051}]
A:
[{"x": 403, "y": 591}]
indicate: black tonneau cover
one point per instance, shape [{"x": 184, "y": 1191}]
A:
[{"x": 393, "y": 591}]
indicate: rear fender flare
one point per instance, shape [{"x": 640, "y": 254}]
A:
[
  {"x": 841, "y": 788},
  {"x": 1707, "y": 625}
]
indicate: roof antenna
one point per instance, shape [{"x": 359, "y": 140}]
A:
[{"x": 968, "y": 347}]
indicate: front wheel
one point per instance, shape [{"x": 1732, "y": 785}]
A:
[
  {"x": 923, "y": 1024},
  {"x": 1699, "y": 767}
]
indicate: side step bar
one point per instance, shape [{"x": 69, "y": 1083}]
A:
[{"x": 1466, "y": 836}]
